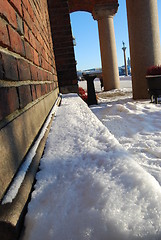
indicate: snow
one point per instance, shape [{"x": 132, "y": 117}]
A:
[
  {"x": 99, "y": 176},
  {"x": 16, "y": 184},
  {"x": 125, "y": 82},
  {"x": 137, "y": 127}
]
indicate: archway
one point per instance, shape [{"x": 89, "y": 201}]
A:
[
  {"x": 104, "y": 13},
  {"x": 145, "y": 50}
]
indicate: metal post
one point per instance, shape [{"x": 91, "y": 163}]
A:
[{"x": 90, "y": 89}]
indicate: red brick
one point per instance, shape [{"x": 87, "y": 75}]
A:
[
  {"x": 8, "y": 12},
  {"x": 33, "y": 40},
  {"x": 1, "y": 68},
  {"x": 55, "y": 78},
  {"x": 43, "y": 89},
  {"x": 25, "y": 3},
  {"x": 38, "y": 90},
  {"x": 53, "y": 85},
  {"x": 41, "y": 75},
  {"x": 34, "y": 72},
  {"x": 26, "y": 32},
  {"x": 27, "y": 17},
  {"x": 41, "y": 41},
  {"x": 50, "y": 87},
  {"x": 45, "y": 76},
  {"x": 17, "y": 5},
  {"x": 4, "y": 38},
  {"x": 47, "y": 88},
  {"x": 38, "y": 20},
  {"x": 42, "y": 61},
  {"x": 44, "y": 57},
  {"x": 53, "y": 70},
  {"x": 38, "y": 46},
  {"x": 36, "y": 57},
  {"x": 10, "y": 67},
  {"x": 24, "y": 95},
  {"x": 49, "y": 76},
  {"x": 34, "y": 30},
  {"x": 17, "y": 44},
  {"x": 19, "y": 25},
  {"x": 24, "y": 70},
  {"x": 29, "y": 51},
  {"x": 36, "y": 24},
  {"x": 30, "y": 11},
  {"x": 53, "y": 62},
  {"x": 46, "y": 65},
  {"x": 46, "y": 51},
  {"x": 8, "y": 101},
  {"x": 50, "y": 69},
  {"x": 33, "y": 91}
]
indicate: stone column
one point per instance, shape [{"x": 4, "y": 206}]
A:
[
  {"x": 104, "y": 15},
  {"x": 144, "y": 40}
]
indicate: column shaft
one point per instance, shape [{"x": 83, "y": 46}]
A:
[
  {"x": 108, "y": 53},
  {"x": 144, "y": 39},
  {"x": 125, "y": 62}
]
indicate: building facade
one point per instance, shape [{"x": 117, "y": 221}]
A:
[{"x": 37, "y": 62}]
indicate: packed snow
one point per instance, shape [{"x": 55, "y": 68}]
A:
[{"x": 99, "y": 175}]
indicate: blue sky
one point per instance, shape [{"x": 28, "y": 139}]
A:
[{"x": 85, "y": 30}]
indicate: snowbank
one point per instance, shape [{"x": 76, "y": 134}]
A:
[{"x": 89, "y": 187}]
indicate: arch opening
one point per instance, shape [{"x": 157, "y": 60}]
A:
[{"x": 85, "y": 31}]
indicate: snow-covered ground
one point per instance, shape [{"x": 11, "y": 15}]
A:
[
  {"x": 125, "y": 82},
  {"x": 99, "y": 178}
]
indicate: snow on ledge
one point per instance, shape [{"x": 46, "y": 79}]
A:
[{"x": 89, "y": 187}]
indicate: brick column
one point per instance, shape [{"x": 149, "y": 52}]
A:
[
  {"x": 104, "y": 15},
  {"x": 63, "y": 45},
  {"x": 144, "y": 40}
]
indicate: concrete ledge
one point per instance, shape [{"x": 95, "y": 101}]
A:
[
  {"x": 18, "y": 135},
  {"x": 12, "y": 214}
]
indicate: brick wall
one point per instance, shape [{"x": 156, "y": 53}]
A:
[
  {"x": 27, "y": 62},
  {"x": 63, "y": 45},
  {"x": 28, "y": 80},
  {"x": 86, "y": 5}
]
